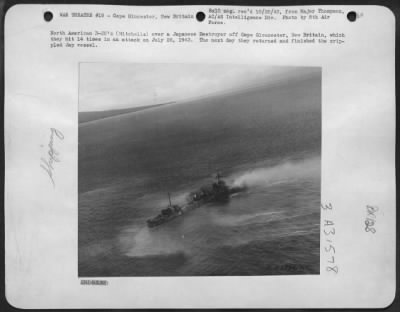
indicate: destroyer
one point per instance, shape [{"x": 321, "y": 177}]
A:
[
  {"x": 167, "y": 214},
  {"x": 217, "y": 192}
]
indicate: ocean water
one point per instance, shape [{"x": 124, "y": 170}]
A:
[{"x": 268, "y": 139}]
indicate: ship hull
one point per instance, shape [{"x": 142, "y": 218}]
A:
[{"x": 217, "y": 193}]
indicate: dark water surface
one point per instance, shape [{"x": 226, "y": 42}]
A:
[{"x": 268, "y": 139}]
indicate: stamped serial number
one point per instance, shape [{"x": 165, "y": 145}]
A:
[{"x": 94, "y": 282}]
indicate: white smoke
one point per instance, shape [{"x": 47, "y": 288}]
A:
[{"x": 283, "y": 172}]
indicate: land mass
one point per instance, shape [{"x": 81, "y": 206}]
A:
[{"x": 96, "y": 115}]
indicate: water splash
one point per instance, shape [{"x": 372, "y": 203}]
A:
[{"x": 146, "y": 242}]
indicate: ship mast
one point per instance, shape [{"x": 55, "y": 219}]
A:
[{"x": 169, "y": 198}]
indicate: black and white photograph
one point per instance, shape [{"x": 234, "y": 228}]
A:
[
  {"x": 199, "y": 170},
  {"x": 199, "y": 157}
]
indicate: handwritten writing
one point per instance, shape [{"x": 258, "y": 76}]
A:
[
  {"x": 370, "y": 220},
  {"x": 47, "y": 164},
  {"x": 329, "y": 231}
]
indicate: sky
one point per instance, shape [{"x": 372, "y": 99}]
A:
[{"x": 107, "y": 86}]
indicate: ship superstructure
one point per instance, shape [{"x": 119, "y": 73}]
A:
[{"x": 217, "y": 192}]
